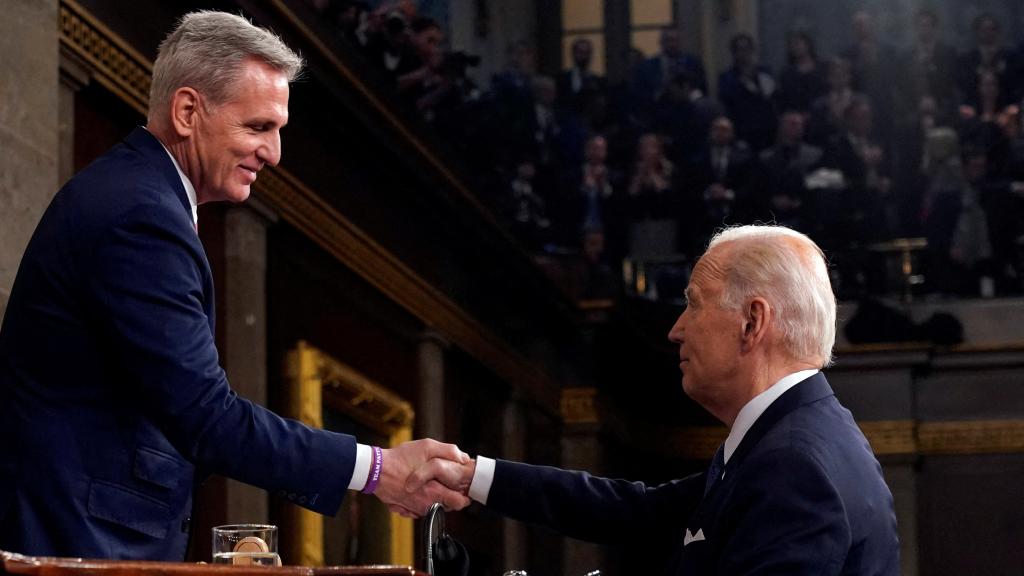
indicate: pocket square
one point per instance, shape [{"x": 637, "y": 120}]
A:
[{"x": 688, "y": 538}]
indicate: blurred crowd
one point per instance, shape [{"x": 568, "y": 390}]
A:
[{"x": 856, "y": 149}]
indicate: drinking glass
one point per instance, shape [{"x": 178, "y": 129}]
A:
[{"x": 246, "y": 545}]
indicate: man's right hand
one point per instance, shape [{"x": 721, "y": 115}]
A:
[
  {"x": 456, "y": 476},
  {"x": 402, "y": 461}
]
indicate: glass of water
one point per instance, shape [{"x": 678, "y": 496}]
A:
[{"x": 246, "y": 545}]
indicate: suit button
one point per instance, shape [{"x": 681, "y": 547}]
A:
[{"x": 186, "y": 524}]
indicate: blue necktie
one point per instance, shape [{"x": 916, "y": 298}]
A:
[{"x": 716, "y": 469}]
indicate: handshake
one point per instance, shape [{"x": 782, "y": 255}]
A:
[{"x": 416, "y": 474}]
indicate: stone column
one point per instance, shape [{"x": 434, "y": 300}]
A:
[
  {"x": 244, "y": 352},
  {"x": 514, "y": 542},
  {"x": 28, "y": 127},
  {"x": 430, "y": 403},
  {"x": 581, "y": 450}
]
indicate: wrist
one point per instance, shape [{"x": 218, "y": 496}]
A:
[{"x": 376, "y": 468}]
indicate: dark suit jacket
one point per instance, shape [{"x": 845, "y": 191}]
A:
[
  {"x": 802, "y": 494},
  {"x": 113, "y": 402}
]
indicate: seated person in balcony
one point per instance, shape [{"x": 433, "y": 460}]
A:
[
  {"x": 931, "y": 65},
  {"x": 592, "y": 199},
  {"x": 826, "y": 119},
  {"x": 867, "y": 212},
  {"x": 748, "y": 92},
  {"x": 782, "y": 171},
  {"x": 794, "y": 489},
  {"x": 722, "y": 173},
  {"x": 683, "y": 115},
  {"x": 802, "y": 81},
  {"x": 979, "y": 114},
  {"x": 989, "y": 55},
  {"x": 875, "y": 68},
  {"x": 114, "y": 402},
  {"x": 654, "y": 201},
  {"x": 651, "y": 78}
]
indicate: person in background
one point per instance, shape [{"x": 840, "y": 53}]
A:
[
  {"x": 748, "y": 92},
  {"x": 578, "y": 81},
  {"x": 802, "y": 81}
]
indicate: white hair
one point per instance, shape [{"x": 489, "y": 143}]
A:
[
  {"x": 205, "y": 51},
  {"x": 789, "y": 270}
]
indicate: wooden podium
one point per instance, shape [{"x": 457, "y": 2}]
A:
[{"x": 18, "y": 565}]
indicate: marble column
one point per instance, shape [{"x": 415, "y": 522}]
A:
[
  {"x": 28, "y": 126},
  {"x": 582, "y": 449},
  {"x": 430, "y": 412},
  {"x": 244, "y": 352}
]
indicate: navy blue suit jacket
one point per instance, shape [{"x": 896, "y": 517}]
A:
[
  {"x": 802, "y": 494},
  {"x": 112, "y": 397}
]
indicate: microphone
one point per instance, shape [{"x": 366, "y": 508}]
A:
[{"x": 446, "y": 556}]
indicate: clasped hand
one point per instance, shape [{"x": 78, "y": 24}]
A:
[{"x": 416, "y": 474}]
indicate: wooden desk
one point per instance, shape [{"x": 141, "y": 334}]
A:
[{"x": 18, "y": 565}]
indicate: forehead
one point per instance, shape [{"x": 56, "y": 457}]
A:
[
  {"x": 710, "y": 269},
  {"x": 261, "y": 88}
]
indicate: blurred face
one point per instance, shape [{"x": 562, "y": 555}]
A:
[
  {"x": 862, "y": 26},
  {"x": 987, "y": 31},
  {"x": 743, "y": 53},
  {"x": 671, "y": 44},
  {"x": 649, "y": 147},
  {"x": 233, "y": 141},
  {"x": 791, "y": 128},
  {"x": 721, "y": 132},
  {"x": 926, "y": 27},
  {"x": 859, "y": 120},
  {"x": 582, "y": 52},
  {"x": 709, "y": 337},
  {"x": 798, "y": 47},
  {"x": 597, "y": 150},
  {"x": 428, "y": 43}
]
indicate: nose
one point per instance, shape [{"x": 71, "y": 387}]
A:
[
  {"x": 676, "y": 333},
  {"x": 269, "y": 151}
]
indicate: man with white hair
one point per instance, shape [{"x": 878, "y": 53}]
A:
[
  {"x": 794, "y": 489},
  {"x": 114, "y": 403}
]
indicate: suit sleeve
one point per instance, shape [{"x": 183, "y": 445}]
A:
[
  {"x": 148, "y": 286},
  {"x": 787, "y": 517},
  {"x": 590, "y": 508}
]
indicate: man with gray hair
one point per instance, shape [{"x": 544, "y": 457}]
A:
[
  {"x": 794, "y": 489},
  {"x": 114, "y": 402}
]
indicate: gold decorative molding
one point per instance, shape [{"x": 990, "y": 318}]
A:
[
  {"x": 115, "y": 64},
  {"x": 890, "y": 437},
  {"x": 315, "y": 378},
  {"x": 971, "y": 437},
  {"x": 579, "y": 406},
  {"x": 127, "y": 74},
  {"x": 887, "y": 438}
]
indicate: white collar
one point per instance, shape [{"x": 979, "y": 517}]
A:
[
  {"x": 757, "y": 405},
  {"x": 189, "y": 189}
]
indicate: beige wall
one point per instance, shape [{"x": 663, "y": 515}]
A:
[{"x": 28, "y": 126}]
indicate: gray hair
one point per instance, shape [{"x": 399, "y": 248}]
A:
[
  {"x": 205, "y": 51},
  {"x": 789, "y": 270}
]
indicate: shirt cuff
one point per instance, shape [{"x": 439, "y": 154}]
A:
[
  {"x": 364, "y": 455},
  {"x": 483, "y": 476}
]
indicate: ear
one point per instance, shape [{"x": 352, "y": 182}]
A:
[
  {"x": 184, "y": 111},
  {"x": 755, "y": 324}
]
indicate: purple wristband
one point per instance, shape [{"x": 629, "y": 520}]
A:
[{"x": 375, "y": 466}]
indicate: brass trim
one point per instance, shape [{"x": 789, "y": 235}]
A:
[
  {"x": 127, "y": 73},
  {"x": 579, "y": 406},
  {"x": 116, "y": 65},
  {"x": 971, "y": 437},
  {"x": 887, "y": 438},
  {"x": 315, "y": 378}
]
